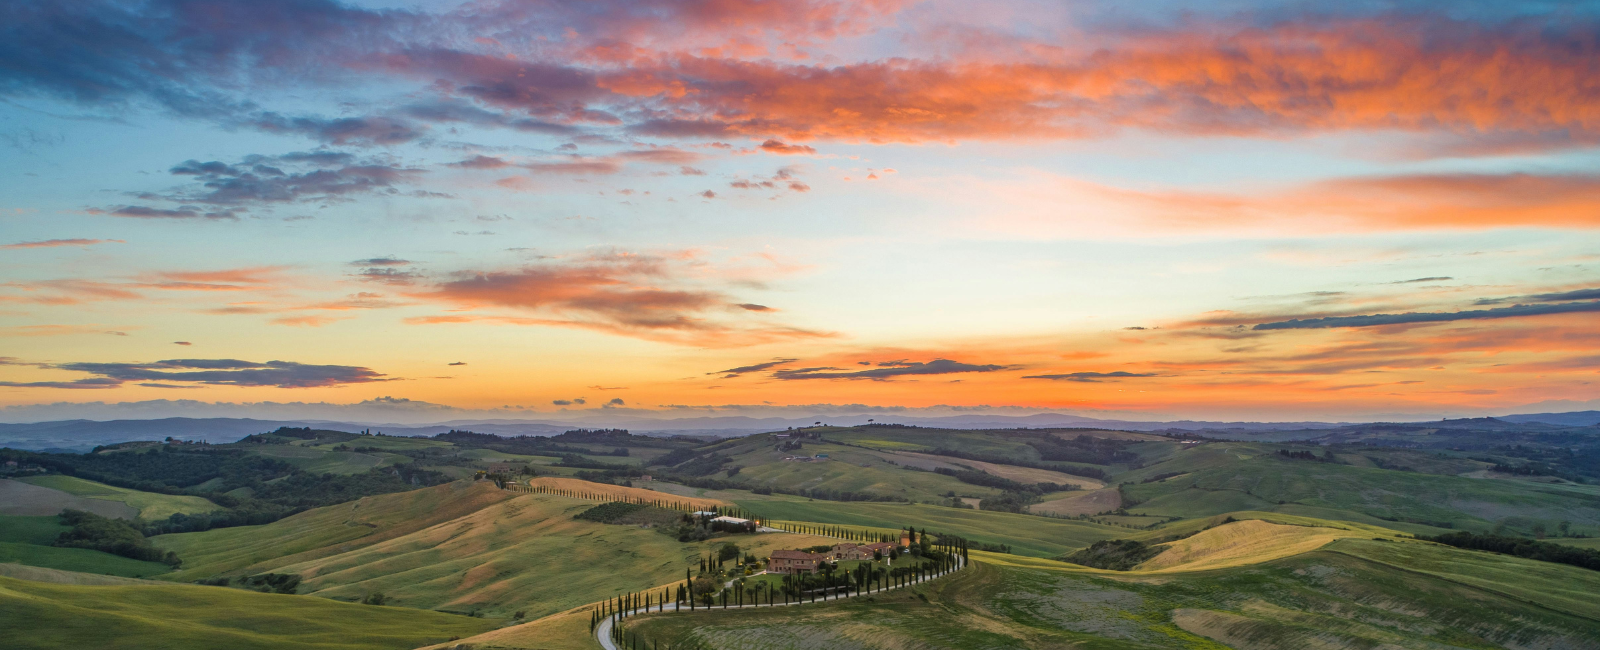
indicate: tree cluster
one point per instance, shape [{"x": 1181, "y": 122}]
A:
[
  {"x": 1521, "y": 547},
  {"x": 114, "y": 536}
]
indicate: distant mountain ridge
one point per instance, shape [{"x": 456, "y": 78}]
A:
[{"x": 81, "y": 435}]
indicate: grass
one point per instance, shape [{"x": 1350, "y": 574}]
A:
[
  {"x": 460, "y": 547},
  {"x": 38, "y": 615},
  {"x": 1247, "y": 474},
  {"x": 1025, "y": 534},
  {"x": 1351, "y": 593},
  {"x": 847, "y": 469},
  {"x": 525, "y": 554},
  {"x": 1199, "y": 503},
  {"x": 324, "y": 531},
  {"x": 390, "y": 443},
  {"x": 318, "y": 460},
  {"x": 1078, "y": 503},
  {"x": 26, "y": 540},
  {"x": 79, "y": 559},
  {"x": 1241, "y": 542},
  {"x": 565, "y": 631},
  {"x": 151, "y": 506},
  {"x": 30, "y": 530}
]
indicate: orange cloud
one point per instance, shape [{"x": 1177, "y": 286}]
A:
[
  {"x": 1342, "y": 75},
  {"x": 633, "y": 295}
]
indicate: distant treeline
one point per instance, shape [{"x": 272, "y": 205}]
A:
[
  {"x": 974, "y": 477},
  {"x": 1326, "y": 457},
  {"x": 1522, "y": 547}
]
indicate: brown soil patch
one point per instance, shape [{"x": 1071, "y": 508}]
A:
[{"x": 18, "y": 498}]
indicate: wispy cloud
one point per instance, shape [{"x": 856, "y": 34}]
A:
[{"x": 892, "y": 370}]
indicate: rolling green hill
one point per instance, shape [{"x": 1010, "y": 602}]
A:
[
  {"x": 461, "y": 547},
  {"x": 1352, "y": 593},
  {"x": 51, "y": 616},
  {"x": 1025, "y": 534},
  {"x": 26, "y": 540},
  {"x": 150, "y": 505},
  {"x": 1222, "y": 477}
]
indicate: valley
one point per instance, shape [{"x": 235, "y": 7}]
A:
[{"x": 1228, "y": 543}]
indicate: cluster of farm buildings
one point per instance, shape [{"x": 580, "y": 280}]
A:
[{"x": 795, "y": 561}]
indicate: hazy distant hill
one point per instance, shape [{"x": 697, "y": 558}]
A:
[
  {"x": 1574, "y": 419},
  {"x": 82, "y": 435}
]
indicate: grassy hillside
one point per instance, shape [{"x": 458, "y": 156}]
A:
[
  {"x": 1349, "y": 594},
  {"x": 324, "y": 531},
  {"x": 1232, "y": 476},
  {"x": 525, "y": 554},
  {"x": 150, "y": 505},
  {"x": 26, "y": 541},
  {"x": 1025, "y": 534},
  {"x": 565, "y": 631},
  {"x": 847, "y": 469},
  {"x": 460, "y": 547},
  {"x": 321, "y": 460},
  {"x": 25, "y": 499},
  {"x": 48, "y": 616},
  {"x": 1240, "y": 543}
]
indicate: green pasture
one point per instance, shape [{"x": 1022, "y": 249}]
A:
[
  {"x": 151, "y": 505},
  {"x": 43, "y": 616},
  {"x": 1025, "y": 534}
]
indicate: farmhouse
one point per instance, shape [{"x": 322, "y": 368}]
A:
[
  {"x": 794, "y": 562},
  {"x": 853, "y": 551}
]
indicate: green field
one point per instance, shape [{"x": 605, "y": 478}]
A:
[
  {"x": 320, "y": 460},
  {"x": 1025, "y": 534},
  {"x": 70, "y": 617},
  {"x": 79, "y": 559},
  {"x": 30, "y": 530},
  {"x": 1228, "y": 476},
  {"x": 1351, "y": 594},
  {"x": 848, "y": 470},
  {"x": 150, "y": 505},
  {"x": 26, "y": 540},
  {"x": 461, "y": 547}
]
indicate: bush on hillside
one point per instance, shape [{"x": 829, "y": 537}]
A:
[
  {"x": 1114, "y": 554},
  {"x": 114, "y": 536},
  {"x": 609, "y": 512},
  {"x": 275, "y": 583}
]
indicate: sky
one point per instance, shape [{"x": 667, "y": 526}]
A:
[{"x": 1222, "y": 210}]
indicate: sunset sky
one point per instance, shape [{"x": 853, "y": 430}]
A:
[{"x": 1218, "y": 210}]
